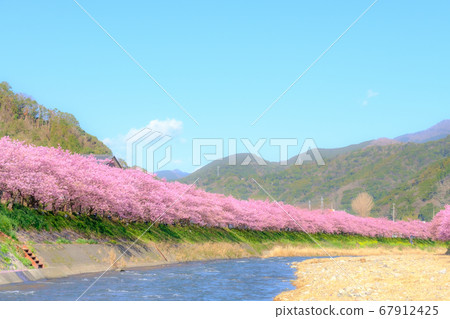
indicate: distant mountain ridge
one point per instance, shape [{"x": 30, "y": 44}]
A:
[
  {"x": 171, "y": 175},
  {"x": 436, "y": 132}
]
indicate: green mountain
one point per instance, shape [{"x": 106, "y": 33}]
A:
[
  {"x": 24, "y": 119},
  {"x": 208, "y": 174},
  {"x": 413, "y": 176}
]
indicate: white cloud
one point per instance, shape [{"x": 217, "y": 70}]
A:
[
  {"x": 370, "y": 95},
  {"x": 118, "y": 144},
  {"x": 169, "y": 126}
]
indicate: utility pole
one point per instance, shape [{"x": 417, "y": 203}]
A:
[
  {"x": 309, "y": 204},
  {"x": 393, "y": 212},
  {"x": 321, "y": 203},
  {"x": 218, "y": 169}
]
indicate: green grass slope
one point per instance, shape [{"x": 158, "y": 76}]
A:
[{"x": 92, "y": 229}]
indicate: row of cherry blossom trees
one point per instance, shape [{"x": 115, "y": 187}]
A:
[{"x": 54, "y": 179}]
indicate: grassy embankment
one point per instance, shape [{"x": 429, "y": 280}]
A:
[
  {"x": 11, "y": 255},
  {"x": 92, "y": 229}
]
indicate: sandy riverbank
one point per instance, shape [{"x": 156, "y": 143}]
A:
[{"x": 424, "y": 276}]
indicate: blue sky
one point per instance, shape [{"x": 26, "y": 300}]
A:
[{"x": 226, "y": 61}]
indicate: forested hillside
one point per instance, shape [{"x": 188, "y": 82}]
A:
[
  {"x": 413, "y": 176},
  {"x": 24, "y": 119}
]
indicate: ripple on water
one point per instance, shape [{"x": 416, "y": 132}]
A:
[
  {"x": 152, "y": 296},
  {"x": 129, "y": 273},
  {"x": 18, "y": 292},
  {"x": 117, "y": 291},
  {"x": 211, "y": 270}
]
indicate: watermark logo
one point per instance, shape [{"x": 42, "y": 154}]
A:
[
  {"x": 199, "y": 145},
  {"x": 142, "y": 149},
  {"x": 148, "y": 149}
]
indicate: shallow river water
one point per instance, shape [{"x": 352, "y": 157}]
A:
[{"x": 238, "y": 279}]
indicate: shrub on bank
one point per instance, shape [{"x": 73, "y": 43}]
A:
[{"x": 5, "y": 225}]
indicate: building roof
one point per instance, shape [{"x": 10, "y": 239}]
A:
[{"x": 113, "y": 161}]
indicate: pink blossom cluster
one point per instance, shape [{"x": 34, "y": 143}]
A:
[
  {"x": 55, "y": 179},
  {"x": 440, "y": 225}
]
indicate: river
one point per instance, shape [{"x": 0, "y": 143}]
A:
[{"x": 237, "y": 279}]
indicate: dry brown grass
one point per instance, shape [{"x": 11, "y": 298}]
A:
[
  {"x": 204, "y": 251},
  {"x": 181, "y": 252},
  {"x": 291, "y": 251},
  {"x": 116, "y": 265}
]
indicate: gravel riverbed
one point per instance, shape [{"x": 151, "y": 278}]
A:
[{"x": 402, "y": 277}]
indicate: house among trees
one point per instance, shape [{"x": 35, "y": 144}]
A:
[{"x": 109, "y": 160}]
